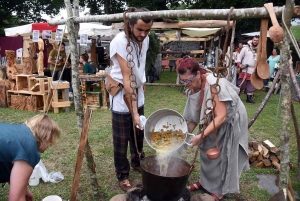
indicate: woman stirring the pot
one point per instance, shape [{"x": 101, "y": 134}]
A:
[{"x": 219, "y": 176}]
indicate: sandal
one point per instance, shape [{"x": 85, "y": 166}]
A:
[
  {"x": 216, "y": 197},
  {"x": 125, "y": 185},
  {"x": 196, "y": 186}
]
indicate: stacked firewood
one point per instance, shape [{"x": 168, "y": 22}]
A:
[{"x": 263, "y": 154}]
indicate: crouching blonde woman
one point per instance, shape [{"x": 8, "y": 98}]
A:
[{"x": 20, "y": 148}]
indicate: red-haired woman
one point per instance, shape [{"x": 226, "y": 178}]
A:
[{"x": 219, "y": 176}]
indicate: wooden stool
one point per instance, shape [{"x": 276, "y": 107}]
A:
[{"x": 64, "y": 102}]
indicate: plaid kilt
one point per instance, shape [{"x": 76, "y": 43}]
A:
[{"x": 122, "y": 134}]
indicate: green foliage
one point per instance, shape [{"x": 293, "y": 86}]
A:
[
  {"x": 100, "y": 7},
  {"x": 154, "y": 48},
  {"x": 153, "y": 4}
]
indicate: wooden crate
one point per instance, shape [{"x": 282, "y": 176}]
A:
[
  {"x": 22, "y": 81},
  {"x": 60, "y": 85},
  {"x": 27, "y": 101},
  {"x": 60, "y": 103},
  {"x": 93, "y": 99},
  {"x": 40, "y": 85}
]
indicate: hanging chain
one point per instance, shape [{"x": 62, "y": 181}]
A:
[
  {"x": 219, "y": 72},
  {"x": 132, "y": 96}
]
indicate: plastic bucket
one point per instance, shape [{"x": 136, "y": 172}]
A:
[
  {"x": 52, "y": 198},
  {"x": 34, "y": 179}
]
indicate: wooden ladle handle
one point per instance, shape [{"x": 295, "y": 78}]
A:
[{"x": 270, "y": 8}]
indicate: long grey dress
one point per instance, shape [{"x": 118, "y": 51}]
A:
[{"x": 221, "y": 176}]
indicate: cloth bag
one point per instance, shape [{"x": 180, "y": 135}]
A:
[{"x": 112, "y": 86}]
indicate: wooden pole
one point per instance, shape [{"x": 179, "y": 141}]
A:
[
  {"x": 285, "y": 130},
  {"x": 219, "y": 14},
  {"x": 80, "y": 154},
  {"x": 73, "y": 35},
  {"x": 297, "y": 131},
  {"x": 232, "y": 48},
  {"x": 293, "y": 76}
]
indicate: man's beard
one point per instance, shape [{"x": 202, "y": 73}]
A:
[{"x": 137, "y": 38}]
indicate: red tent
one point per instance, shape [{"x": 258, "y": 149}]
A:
[{"x": 43, "y": 26}]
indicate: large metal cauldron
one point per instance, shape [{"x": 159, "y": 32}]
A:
[{"x": 164, "y": 188}]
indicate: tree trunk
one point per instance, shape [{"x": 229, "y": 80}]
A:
[
  {"x": 217, "y": 14},
  {"x": 285, "y": 78},
  {"x": 72, "y": 36},
  {"x": 107, "y": 11}
]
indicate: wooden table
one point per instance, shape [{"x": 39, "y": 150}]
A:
[{"x": 95, "y": 78}]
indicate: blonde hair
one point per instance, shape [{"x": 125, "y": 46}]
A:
[{"x": 43, "y": 129}]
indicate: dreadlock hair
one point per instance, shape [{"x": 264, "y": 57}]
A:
[{"x": 133, "y": 21}]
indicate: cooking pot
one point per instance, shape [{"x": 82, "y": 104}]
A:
[
  {"x": 164, "y": 188},
  {"x": 166, "y": 119}
]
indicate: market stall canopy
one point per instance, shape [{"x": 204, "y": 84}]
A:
[
  {"x": 92, "y": 29},
  {"x": 26, "y": 30},
  {"x": 199, "y": 32}
]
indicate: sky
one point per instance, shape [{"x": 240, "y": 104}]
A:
[{"x": 63, "y": 13}]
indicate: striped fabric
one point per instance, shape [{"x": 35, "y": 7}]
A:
[{"x": 122, "y": 134}]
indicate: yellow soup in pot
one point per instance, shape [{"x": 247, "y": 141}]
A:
[{"x": 167, "y": 139}]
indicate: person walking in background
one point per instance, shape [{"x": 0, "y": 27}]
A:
[
  {"x": 246, "y": 62},
  {"x": 272, "y": 60},
  {"x": 123, "y": 122},
  {"x": 21, "y": 145},
  {"x": 219, "y": 176}
]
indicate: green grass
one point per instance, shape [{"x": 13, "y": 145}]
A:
[
  {"x": 62, "y": 156},
  {"x": 296, "y": 31}
]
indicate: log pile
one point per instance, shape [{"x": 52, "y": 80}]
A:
[{"x": 263, "y": 154}]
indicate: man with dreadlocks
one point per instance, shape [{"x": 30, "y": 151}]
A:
[
  {"x": 130, "y": 44},
  {"x": 246, "y": 62}
]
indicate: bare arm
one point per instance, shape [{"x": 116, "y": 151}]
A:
[
  {"x": 51, "y": 60},
  {"x": 191, "y": 126},
  {"x": 126, "y": 82},
  {"x": 19, "y": 178},
  {"x": 220, "y": 117}
]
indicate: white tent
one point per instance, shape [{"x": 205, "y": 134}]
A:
[
  {"x": 92, "y": 29},
  {"x": 19, "y": 30}
]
